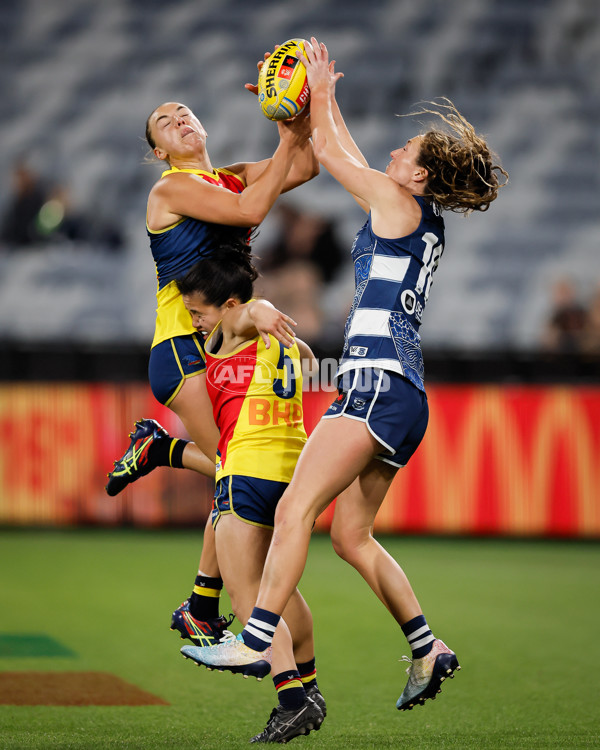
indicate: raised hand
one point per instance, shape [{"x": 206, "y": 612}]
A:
[
  {"x": 252, "y": 87},
  {"x": 298, "y": 128},
  {"x": 320, "y": 70}
]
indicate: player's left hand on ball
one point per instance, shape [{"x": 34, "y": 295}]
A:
[{"x": 252, "y": 87}]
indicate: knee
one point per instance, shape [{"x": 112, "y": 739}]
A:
[
  {"x": 341, "y": 547},
  {"x": 349, "y": 544},
  {"x": 292, "y": 512}
]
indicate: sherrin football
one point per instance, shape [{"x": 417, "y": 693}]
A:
[{"x": 282, "y": 86}]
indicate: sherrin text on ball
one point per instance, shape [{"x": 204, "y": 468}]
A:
[{"x": 282, "y": 86}]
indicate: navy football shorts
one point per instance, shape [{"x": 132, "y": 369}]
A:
[
  {"x": 171, "y": 362},
  {"x": 250, "y": 499},
  {"x": 395, "y": 411}
]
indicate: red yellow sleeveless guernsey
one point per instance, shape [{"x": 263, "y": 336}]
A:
[
  {"x": 256, "y": 395},
  {"x": 175, "y": 249}
]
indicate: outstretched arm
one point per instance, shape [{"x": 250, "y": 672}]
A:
[
  {"x": 334, "y": 146},
  {"x": 186, "y": 194},
  {"x": 346, "y": 140},
  {"x": 305, "y": 165},
  {"x": 394, "y": 210}
]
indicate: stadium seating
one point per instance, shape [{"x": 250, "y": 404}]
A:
[{"x": 79, "y": 78}]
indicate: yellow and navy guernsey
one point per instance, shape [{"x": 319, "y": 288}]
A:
[
  {"x": 175, "y": 249},
  {"x": 256, "y": 395}
]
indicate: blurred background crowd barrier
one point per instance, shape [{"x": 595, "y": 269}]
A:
[
  {"x": 512, "y": 330},
  {"x": 517, "y": 461}
]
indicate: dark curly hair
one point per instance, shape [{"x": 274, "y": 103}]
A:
[{"x": 462, "y": 175}]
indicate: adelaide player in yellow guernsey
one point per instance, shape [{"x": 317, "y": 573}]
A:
[
  {"x": 256, "y": 395},
  {"x": 255, "y": 386},
  {"x": 191, "y": 208}
]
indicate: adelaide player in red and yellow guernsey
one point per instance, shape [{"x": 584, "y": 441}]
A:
[
  {"x": 256, "y": 393},
  {"x": 255, "y": 387}
]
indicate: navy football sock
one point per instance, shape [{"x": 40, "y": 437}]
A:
[
  {"x": 419, "y": 636},
  {"x": 260, "y": 628},
  {"x": 308, "y": 673},
  {"x": 167, "y": 451},
  {"x": 290, "y": 691},
  {"x": 204, "y": 601}
]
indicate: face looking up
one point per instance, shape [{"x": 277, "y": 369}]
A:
[{"x": 175, "y": 130}]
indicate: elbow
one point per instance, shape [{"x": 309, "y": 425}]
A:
[
  {"x": 319, "y": 152},
  {"x": 319, "y": 146},
  {"x": 310, "y": 170},
  {"x": 252, "y": 218},
  {"x": 310, "y": 174}
]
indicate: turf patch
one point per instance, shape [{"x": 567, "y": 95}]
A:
[
  {"x": 71, "y": 689},
  {"x": 15, "y": 645}
]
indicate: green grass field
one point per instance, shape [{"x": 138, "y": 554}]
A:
[{"x": 522, "y": 616}]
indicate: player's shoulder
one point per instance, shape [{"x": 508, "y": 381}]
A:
[
  {"x": 170, "y": 178},
  {"x": 400, "y": 195},
  {"x": 174, "y": 182}
]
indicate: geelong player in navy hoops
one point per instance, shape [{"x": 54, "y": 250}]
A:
[{"x": 380, "y": 416}]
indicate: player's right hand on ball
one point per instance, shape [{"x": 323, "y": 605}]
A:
[{"x": 298, "y": 127}]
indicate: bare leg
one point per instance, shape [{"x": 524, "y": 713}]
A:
[
  {"x": 241, "y": 550},
  {"x": 193, "y": 407},
  {"x": 299, "y": 618},
  {"x": 208, "y": 565},
  {"x": 352, "y": 539},
  {"x": 317, "y": 480},
  {"x": 194, "y": 459}
]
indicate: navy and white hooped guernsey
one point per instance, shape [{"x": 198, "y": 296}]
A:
[{"x": 393, "y": 279}]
